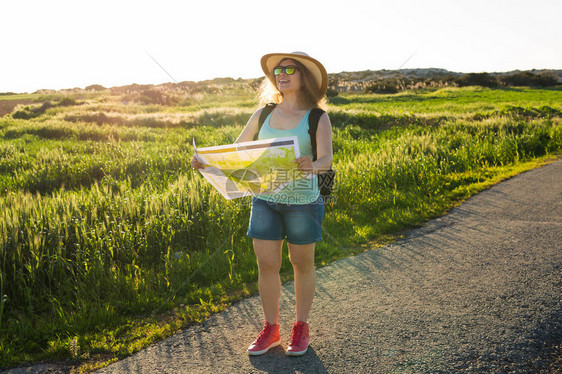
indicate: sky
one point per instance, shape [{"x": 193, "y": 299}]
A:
[{"x": 65, "y": 44}]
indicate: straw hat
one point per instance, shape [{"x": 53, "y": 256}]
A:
[{"x": 271, "y": 60}]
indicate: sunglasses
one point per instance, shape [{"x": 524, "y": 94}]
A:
[{"x": 289, "y": 70}]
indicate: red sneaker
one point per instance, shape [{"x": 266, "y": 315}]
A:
[
  {"x": 268, "y": 338},
  {"x": 299, "y": 339}
]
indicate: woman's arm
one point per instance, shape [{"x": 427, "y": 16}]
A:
[
  {"x": 324, "y": 153},
  {"x": 251, "y": 128},
  {"x": 246, "y": 135}
]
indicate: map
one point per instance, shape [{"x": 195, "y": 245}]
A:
[{"x": 251, "y": 168}]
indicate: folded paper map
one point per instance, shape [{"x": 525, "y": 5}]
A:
[{"x": 251, "y": 168}]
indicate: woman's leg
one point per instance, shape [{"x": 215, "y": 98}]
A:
[
  {"x": 302, "y": 258},
  {"x": 268, "y": 253}
]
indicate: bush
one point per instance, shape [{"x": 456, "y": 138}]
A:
[
  {"x": 386, "y": 86},
  {"x": 95, "y": 87},
  {"x": 129, "y": 89},
  {"x": 331, "y": 92},
  {"x": 477, "y": 79},
  {"x": 97, "y": 118},
  {"x": 152, "y": 95},
  {"x": 29, "y": 112},
  {"x": 526, "y": 78},
  {"x": 394, "y": 85},
  {"x": 67, "y": 101}
]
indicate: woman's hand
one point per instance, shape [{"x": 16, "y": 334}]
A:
[
  {"x": 305, "y": 164},
  {"x": 196, "y": 164}
]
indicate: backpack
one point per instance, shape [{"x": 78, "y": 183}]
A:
[{"x": 326, "y": 179}]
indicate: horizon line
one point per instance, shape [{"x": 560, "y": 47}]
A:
[{"x": 5, "y": 93}]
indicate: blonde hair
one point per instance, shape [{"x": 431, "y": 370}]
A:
[{"x": 309, "y": 95}]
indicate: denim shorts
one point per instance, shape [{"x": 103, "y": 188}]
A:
[{"x": 300, "y": 224}]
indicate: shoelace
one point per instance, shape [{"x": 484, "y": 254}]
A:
[
  {"x": 262, "y": 333},
  {"x": 296, "y": 334}
]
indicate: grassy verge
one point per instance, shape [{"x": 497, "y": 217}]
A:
[{"x": 110, "y": 242}]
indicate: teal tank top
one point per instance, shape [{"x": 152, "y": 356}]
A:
[{"x": 303, "y": 191}]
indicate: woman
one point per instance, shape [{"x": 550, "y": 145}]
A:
[{"x": 296, "y": 83}]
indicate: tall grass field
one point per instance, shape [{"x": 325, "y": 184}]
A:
[{"x": 110, "y": 241}]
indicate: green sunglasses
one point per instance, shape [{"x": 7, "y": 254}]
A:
[{"x": 289, "y": 70}]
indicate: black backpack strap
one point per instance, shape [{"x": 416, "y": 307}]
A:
[
  {"x": 313, "y": 119},
  {"x": 263, "y": 116}
]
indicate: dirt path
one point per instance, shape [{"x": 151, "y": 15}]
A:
[{"x": 478, "y": 290}]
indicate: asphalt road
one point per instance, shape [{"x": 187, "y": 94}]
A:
[{"x": 478, "y": 290}]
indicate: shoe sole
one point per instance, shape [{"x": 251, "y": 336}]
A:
[
  {"x": 292, "y": 353},
  {"x": 257, "y": 353}
]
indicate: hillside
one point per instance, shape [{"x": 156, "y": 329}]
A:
[
  {"x": 367, "y": 75},
  {"x": 421, "y": 78},
  {"x": 339, "y": 82}
]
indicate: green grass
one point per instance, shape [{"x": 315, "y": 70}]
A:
[
  {"x": 109, "y": 241},
  {"x": 467, "y": 100}
]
